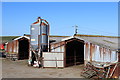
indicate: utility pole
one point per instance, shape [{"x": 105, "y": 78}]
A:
[{"x": 76, "y": 29}]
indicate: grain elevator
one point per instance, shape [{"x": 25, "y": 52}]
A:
[{"x": 39, "y": 41}]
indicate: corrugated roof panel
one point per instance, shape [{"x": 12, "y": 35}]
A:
[{"x": 103, "y": 41}]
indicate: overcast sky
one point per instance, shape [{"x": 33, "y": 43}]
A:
[{"x": 93, "y": 18}]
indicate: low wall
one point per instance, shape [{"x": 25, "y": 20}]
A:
[{"x": 53, "y": 59}]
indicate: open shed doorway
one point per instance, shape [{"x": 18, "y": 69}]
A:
[
  {"x": 74, "y": 52},
  {"x": 23, "y": 48}
]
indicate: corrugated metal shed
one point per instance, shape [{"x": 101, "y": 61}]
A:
[
  {"x": 106, "y": 41},
  {"x": 101, "y": 51},
  {"x": 111, "y": 43},
  {"x": 103, "y": 41},
  {"x": 18, "y": 48},
  {"x": 97, "y": 49}
]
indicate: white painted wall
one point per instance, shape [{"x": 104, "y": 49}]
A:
[{"x": 50, "y": 59}]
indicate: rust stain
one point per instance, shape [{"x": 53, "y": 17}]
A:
[
  {"x": 44, "y": 34},
  {"x": 103, "y": 53},
  {"x": 45, "y": 21},
  {"x": 118, "y": 56},
  {"x": 43, "y": 24},
  {"x": 110, "y": 53},
  {"x": 91, "y": 50},
  {"x": 12, "y": 46},
  {"x": 35, "y": 22},
  {"x": 100, "y": 50},
  {"x": 86, "y": 50},
  {"x": 9, "y": 47}
]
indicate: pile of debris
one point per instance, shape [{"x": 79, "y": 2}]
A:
[{"x": 91, "y": 71}]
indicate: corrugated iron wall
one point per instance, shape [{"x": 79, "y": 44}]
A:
[
  {"x": 15, "y": 48},
  {"x": 100, "y": 54},
  {"x": 12, "y": 50},
  {"x": 18, "y": 49},
  {"x": 12, "y": 47},
  {"x": 92, "y": 52}
]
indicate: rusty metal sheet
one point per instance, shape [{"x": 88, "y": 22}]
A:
[
  {"x": 12, "y": 47},
  {"x": 86, "y": 50},
  {"x": 15, "y": 46},
  {"x": 96, "y": 53},
  {"x": 9, "y": 47},
  {"x": 92, "y": 51},
  {"x": 101, "y": 54}
]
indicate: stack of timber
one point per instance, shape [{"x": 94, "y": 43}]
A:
[{"x": 12, "y": 56}]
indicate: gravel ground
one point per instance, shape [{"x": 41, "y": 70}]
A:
[{"x": 19, "y": 69}]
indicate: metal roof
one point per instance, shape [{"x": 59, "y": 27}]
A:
[
  {"x": 102, "y": 41},
  {"x": 22, "y": 37},
  {"x": 57, "y": 38},
  {"x": 67, "y": 38},
  {"x": 111, "y": 42},
  {"x": 108, "y": 42}
]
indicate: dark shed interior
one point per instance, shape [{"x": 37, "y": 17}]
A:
[
  {"x": 23, "y": 51},
  {"x": 74, "y": 52}
]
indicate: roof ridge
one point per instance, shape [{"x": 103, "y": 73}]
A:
[{"x": 97, "y": 36}]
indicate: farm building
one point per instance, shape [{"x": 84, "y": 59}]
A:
[
  {"x": 57, "y": 43},
  {"x": 18, "y": 48},
  {"x": 64, "y": 51},
  {"x": 91, "y": 45},
  {"x": 101, "y": 51},
  {"x": 47, "y": 51}
]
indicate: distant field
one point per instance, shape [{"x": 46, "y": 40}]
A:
[{"x": 7, "y": 38}]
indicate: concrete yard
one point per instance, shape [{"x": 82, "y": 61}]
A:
[{"x": 19, "y": 69}]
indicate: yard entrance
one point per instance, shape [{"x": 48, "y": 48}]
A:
[
  {"x": 23, "y": 48},
  {"x": 74, "y": 52}
]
